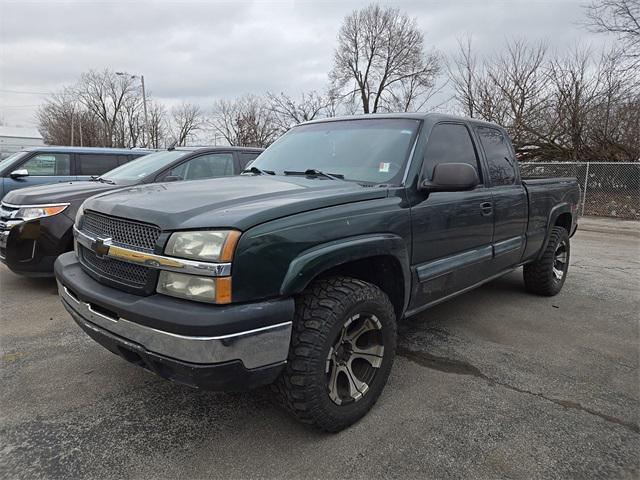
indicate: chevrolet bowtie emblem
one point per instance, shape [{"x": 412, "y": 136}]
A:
[{"x": 100, "y": 246}]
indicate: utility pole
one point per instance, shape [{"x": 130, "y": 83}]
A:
[{"x": 146, "y": 119}]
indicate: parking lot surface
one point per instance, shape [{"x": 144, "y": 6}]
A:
[{"x": 495, "y": 383}]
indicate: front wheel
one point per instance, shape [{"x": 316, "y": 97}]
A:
[
  {"x": 342, "y": 349},
  {"x": 546, "y": 275}
]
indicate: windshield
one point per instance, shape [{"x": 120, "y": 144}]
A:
[
  {"x": 367, "y": 151},
  {"x": 136, "y": 170},
  {"x": 10, "y": 159}
]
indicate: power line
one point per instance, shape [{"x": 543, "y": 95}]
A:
[{"x": 31, "y": 92}]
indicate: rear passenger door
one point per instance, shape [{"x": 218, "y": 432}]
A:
[
  {"x": 509, "y": 198},
  {"x": 43, "y": 168},
  {"x": 94, "y": 164},
  {"x": 452, "y": 231}
]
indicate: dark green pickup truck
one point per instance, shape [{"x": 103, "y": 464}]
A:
[{"x": 295, "y": 273}]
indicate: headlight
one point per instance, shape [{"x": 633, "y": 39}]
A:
[
  {"x": 193, "y": 287},
  {"x": 205, "y": 245},
  {"x": 31, "y": 213}
]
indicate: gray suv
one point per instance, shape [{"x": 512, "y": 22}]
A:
[{"x": 41, "y": 165}]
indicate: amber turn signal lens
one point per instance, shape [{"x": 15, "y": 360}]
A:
[
  {"x": 54, "y": 210},
  {"x": 229, "y": 246},
  {"x": 223, "y": 290}
]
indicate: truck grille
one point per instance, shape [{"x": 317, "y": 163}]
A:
[
  {"x": 134, "y": 235},
  {"x": 125, "y": 233},
  {"x": 135, "y": 276}
]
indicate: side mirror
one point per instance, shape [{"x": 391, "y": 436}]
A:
[
  {"x": 22, "y": 172},
  {"x": 172, "y": 178},
  {"x": 451, "y": 177}
]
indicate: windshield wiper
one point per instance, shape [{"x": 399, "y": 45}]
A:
[
  {"x": 102, "y": 180},
  {"x": 257, "y": 171},
  {"x": 313, "y": 172}
]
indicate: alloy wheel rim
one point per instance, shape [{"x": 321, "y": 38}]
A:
[
  {"x": 354, "y": 358},
  {"x": 560, "y": 261}
]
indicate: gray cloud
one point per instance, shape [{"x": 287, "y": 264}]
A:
[{"x": 199, "y": 51}]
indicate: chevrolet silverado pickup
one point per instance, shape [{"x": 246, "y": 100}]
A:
[{"x": 295, "y": 273}]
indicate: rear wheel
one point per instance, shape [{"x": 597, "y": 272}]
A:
[
  {"x": 546, "y": 275},
  {"x": 342, "y": 349}
]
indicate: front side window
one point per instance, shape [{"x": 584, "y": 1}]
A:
[
  {"x": 140, "y": 168},
  {"x": 501, "y": 163},
  {"x": 246, "y": 158},
  {"x": 205, "y": 166},
  {"x": 95, "y": 164},
  {"x": 48, "y": 164},
  {"x": 448, "y": 143},
  {"x": 372, "y": 151}
]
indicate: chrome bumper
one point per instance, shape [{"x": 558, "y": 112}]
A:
[{"x": 255, "y": 348}]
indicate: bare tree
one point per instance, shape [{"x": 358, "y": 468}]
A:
[
  {"x": 104, "y": 94},
  {"x": 380, "y": 59},
  {"x": 621, "y": 17},
  {"x": 462, "y": 70},
  {"x": 63, "y": 121},
  {"x": 157, "y": 115},
  {"x": 288, "y": 111},
  {"x": 245, "y": 121},
  {"x": 187, "y": 119}
]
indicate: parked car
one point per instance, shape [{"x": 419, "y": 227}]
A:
[
  {"x": 41, "y": 165},
  {"x": 296, "y": 274},
  {"x": 36, "y": 224}
]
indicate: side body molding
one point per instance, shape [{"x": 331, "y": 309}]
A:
[{"x": 310, "y": 263}]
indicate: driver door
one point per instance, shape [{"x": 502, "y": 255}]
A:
[
  {"x": 452, "y": 231},
  {"x": 42, "y": 168}
]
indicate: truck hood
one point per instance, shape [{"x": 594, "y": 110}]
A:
[
  {"x": 231, "y": 202},
  {"x": 68, "y": 192}
]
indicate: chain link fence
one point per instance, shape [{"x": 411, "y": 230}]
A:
[{"x": 608, "y": 189}]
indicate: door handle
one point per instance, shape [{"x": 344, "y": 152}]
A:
[{"x": 486, "y": 208}]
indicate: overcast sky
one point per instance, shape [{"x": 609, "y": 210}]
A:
[{"x": 198, "y": 51}]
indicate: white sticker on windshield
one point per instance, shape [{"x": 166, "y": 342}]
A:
[
  {"x": 406, "y": 132},
  {"x": 384, "y": 167}
]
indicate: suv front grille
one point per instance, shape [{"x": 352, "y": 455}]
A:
[
  {"x": 135, "y": 276},
  {"x": 127, "y": 233}
]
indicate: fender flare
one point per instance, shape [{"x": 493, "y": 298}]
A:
[
  {"x": 555, "y": 212},
  {"x": 311, "y": 263}
]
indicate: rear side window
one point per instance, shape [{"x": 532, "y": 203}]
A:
[
  {"x": 95, "y": 164},
  {"x": 48, "y": 164},
  {"x": 205, "y": 166},
  {"x": 502, "y": 169},
  {"x": 449, "y": 143},
  {"x": 246, "y": 158}
]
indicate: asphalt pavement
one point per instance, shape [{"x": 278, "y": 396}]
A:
[{"x": 496, "y": 383}]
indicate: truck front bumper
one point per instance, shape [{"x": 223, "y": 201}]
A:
[{"x": 225, "y": 355}]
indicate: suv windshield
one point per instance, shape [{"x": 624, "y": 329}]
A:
[
  {"x": 138, "y": 169},
  {"x": 367, "y": 150}
]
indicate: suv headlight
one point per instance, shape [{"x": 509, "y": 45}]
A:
[
  {"x": 204, "y": 245},
  {"x": 31, "y": 213}
]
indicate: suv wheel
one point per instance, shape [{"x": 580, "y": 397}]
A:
[
  {"x": 546, "y": 275},
  {"x": 342, "y": 349}
]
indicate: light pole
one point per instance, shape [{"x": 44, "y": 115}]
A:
[{"x": 145, "y": 130}]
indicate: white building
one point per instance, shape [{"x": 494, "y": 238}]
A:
[{"x": 14, "y": 139}]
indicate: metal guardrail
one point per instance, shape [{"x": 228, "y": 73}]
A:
[{"x": 608, "y": 189}]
